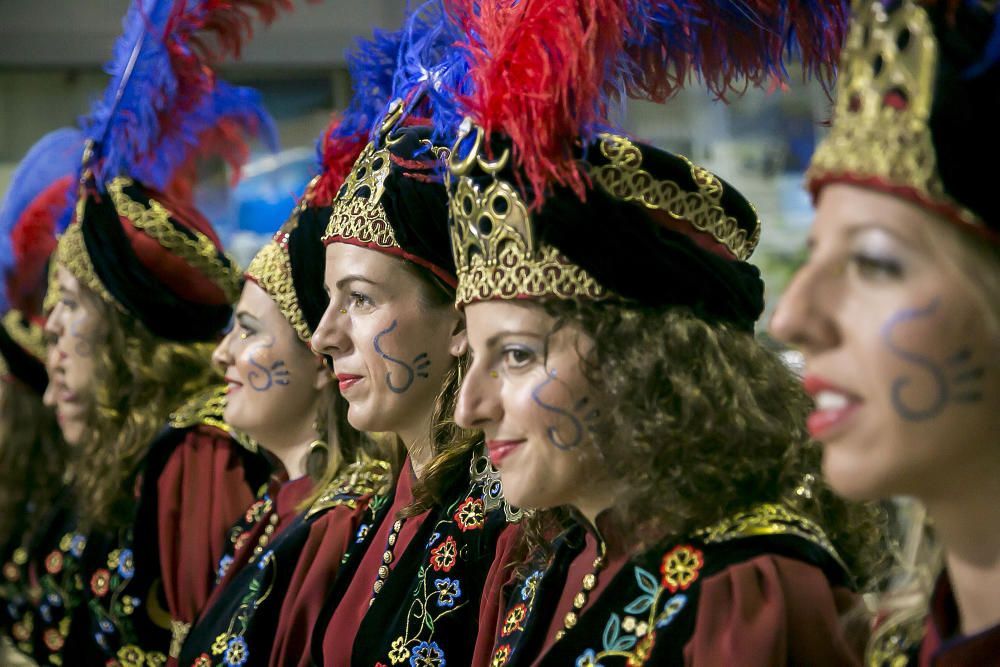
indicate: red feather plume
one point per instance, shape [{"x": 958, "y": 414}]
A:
[
  {"x": 33, "y": 240},
  {"x": 339, "y": 153}
]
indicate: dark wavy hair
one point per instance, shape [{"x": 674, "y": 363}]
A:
[
  {"x": 139, "y": 380},
  {"x": 33, "y": 459},
  {"x": 703, "y": 421}
]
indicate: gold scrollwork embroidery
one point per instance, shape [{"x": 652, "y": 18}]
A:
[
  {"x": 360, "y": 478},
  {"x": 889, "y": 56},
  {"x": 191, "y": 245},
  {"x": 624, "y": 178},
  {"x": 271, "y": 269},
  {"x": 28, "y": 335},
  {"x": 769, "y": 519},
  {"x": 71, "y": 252},
  {"x": 355, "y": 220},
  {"x": 207, "y": 407}
]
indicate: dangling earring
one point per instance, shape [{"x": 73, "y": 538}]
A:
[{"x": 319, "y": 451}]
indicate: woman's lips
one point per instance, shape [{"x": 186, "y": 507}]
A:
[
  {"x": 232, "y": 385},
  {"x": 501, "y": 449},
  {"x": 834, "y": 407},
  {"x": 346, "y": 380}
]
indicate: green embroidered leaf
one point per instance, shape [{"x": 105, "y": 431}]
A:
[{"x": 640, "y": 605}]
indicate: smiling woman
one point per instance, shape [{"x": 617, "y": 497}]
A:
[{"x": 895, "y": 312}]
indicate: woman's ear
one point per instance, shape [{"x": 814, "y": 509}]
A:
[
  {"x": 459, "y": 342},
  {"x": 324, "y": 376}
]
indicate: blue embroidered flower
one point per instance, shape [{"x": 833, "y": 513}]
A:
[
  {"x": 362, "y": 533},
  {"x": 265, "y": 559},
  {"x": 448, "y": 591},
  {"x": 54, "y": 599},
  {"x": 46, "y": 613},
  {"x": 588, "y": 659},
  {"x": 12, "y": 610},
  {"x": 671, "y": 609},
  {"x": 434, "y": 538},
  {"x": 530, "y": 584},
  {"x": 101, "y": 641},
  {"x": 106, "y": 626},
  {"x": 126, "y": 564},
  {"x": 77, "y": 545},
  {"x": 224, "y": 564},
  {"x": 427, "y": 654},
  {"x": 237, "y": 652}
]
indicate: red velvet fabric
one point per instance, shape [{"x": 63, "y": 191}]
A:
[
  {"x": 493, "y": 603},
  {"x": 329, "y": 537},
  {"x": 338, "y": 640},
  {"x": 202, "y": 492},
  {"x": 768, "y": 611}
]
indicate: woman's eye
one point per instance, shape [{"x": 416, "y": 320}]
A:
[
  {"x": 360, "y": 300},
  {"x": 874, "y": 267},
  {"x": 517, "y": 357}
]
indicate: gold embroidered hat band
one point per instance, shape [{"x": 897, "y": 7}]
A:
[
  {"x": 393, "y": 201},
  {"x": 654, "y": 229},
  {"x": 917, "y": 108}
]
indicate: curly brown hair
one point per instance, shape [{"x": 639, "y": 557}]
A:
[
  {"x": 704, "y": 421},
  {"x": 33, "y": 457},
  {"x": 139, "y": 379}
]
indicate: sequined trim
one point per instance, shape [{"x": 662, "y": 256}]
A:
[
  {"x": 271, "y": 269},
  {"x": 360, "y": 478},
  {"x": 768, "y": 519},
  {"x": 207, "y": 407},
  {"x": 872, "y": 140},
  {"x": 896, "y": 640},
  {"x": 624, "y": 178},
  {"x": 191, "y": 245}
]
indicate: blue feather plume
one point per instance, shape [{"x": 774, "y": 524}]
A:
[{"x": 54, "y": 156}]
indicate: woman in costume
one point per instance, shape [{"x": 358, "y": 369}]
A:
[
  {"x": 145, "y": 290},
  {"x": 610, "y": 315},
  {"x": 283, "y": 555},
  {"x": 895, "y": 310},
  {"x": 412, "y": 588},
  {"x": 34, "y": 461}
]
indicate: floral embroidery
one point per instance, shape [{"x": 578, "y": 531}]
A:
[
  {"x": 53, "y": 640},
  {"x": 448, "y": 591},
  {"x": 100, "y": 582},
  {"x": 219, "y": 645},
  {"x": 241, "y": 541},
  {"x": 237, "y": 652},
  {"x": 224, "y": 564},
  {"x": 501, "y": 656},
  {"x": 202, "y": 661},
  {"x": 471, "y": 514},
  {"x": 11, "y": 572},
  {"x": 588, "y": 659},
  {"x": 435, "y": 536},
  {"x": 530, "y": 585},
  {"x": 54, "y": 562},
  {"x": 643, "y": 649},
  {"x": 515, "y": 619},
  {"x": 427, "y": 654},
  {"x": 125, "y": 564},
  {"x": 265, "y": 559},
  {"x": 77, "y": 544},
  {"x": 362, "y": 533},
  {"x": 443, "y": 555},
  {"x": 398, "y": 653},
  {"x": 680, "y": 567}
]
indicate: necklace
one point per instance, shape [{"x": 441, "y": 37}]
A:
[
  {"x": 586, "y": 586},
  {"x": 387, "y": 558}
]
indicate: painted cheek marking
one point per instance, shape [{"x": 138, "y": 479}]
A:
[
  {"x": 265, "y": 377},
  {"x": 411, "y": 371},
  {"x": 580, "y": 420}
]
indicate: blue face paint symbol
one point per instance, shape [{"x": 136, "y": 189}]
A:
[
  {"x": 418, "y": 368},
  {"x": 267, "y": 376},
  {"x": 956, "y": 380},
  {"x": 581, "y": 419}
]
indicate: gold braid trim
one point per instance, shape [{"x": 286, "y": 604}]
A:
[
  {"x": 358, "y": 479},
  {"x": 28, "y": 335},
  {"x": 870, "y": 140},
  {"x": 52, "y": 292},
  {"x": 769, "y": 519},
  {"x": 271, "y": 269},
  {"x": 207, "y": 407},
  {"x": 193, "y": 247},
  {"x": 357, "y": 220},
  {"x": 71, "y": 252},
  {"x": 4, "y": 368},
  {"x": 624, "y": 178}
]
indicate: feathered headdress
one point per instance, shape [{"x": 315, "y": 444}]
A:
[
  {"x": 547, "y": 72},
  {"x": 163, "y": 101}
]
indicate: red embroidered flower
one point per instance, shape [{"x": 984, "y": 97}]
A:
[
  {"x": 680, "y": 567},
  {"x": 202, "y": 661},
  {"x": 515, "y": 617},
  {"x": 500, "y": 656},
  {"x": 241, "y": 542},
  {"x": 471, "y": 514},
  {"x": 100, "y": 582},
  {"x": 53, "y": 640},
  {"x": 54, "y": 562},
  {"x": 640, "y": 654},
  {"x": 22, "y": 631},
  {"x": 443, "y": 555}
]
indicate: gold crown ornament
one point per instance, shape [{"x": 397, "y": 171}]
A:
[
  {"x": 881, "y": 134},
  {"x": 498, "y": 254}
]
